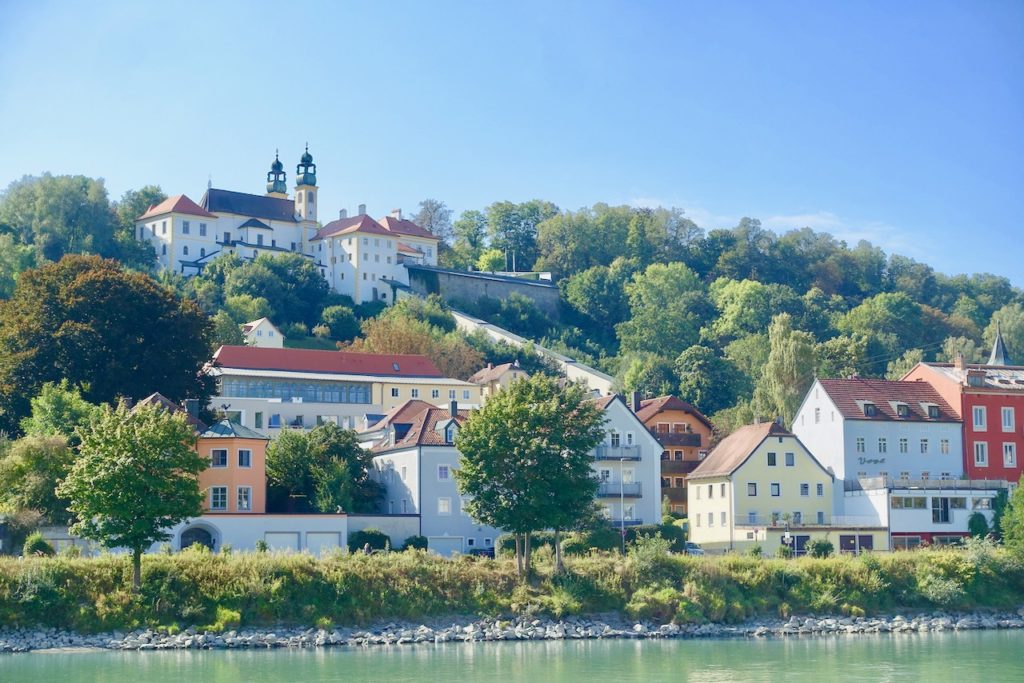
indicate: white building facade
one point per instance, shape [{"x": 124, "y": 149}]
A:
[{"x": 628, "y": 466}]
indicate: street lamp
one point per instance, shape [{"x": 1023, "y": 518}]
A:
[
  {"x": 787, "y": 539},
  {"x": 622, "y": 505}
]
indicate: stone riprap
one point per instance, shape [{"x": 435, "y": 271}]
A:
[{"x": 26, "y": 639}]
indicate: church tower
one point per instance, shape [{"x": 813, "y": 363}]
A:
[
  {"x": 276, "y": 185},
  {"x": 305, "y": 187}
]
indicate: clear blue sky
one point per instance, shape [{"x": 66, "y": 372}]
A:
[{"x": 900, "y": 122}]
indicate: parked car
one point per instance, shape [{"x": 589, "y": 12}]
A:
[{"x": 693, "y": 549}]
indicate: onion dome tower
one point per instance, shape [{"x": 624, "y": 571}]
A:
[
  {"x": 305, "y": 187},
  {"x": 276, "y": 179}
]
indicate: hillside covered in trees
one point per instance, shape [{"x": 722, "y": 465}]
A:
[{"x": 735, "y": 319}]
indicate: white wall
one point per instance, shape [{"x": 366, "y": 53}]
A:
[{"x": 646, "y": 471}]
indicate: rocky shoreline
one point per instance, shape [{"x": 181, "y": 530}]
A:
[{"x": 486, "y": 630}]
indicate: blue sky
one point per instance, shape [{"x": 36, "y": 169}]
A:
[{"x": 897, "y": 122}]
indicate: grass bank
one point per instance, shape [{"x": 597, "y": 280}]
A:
[{"x": 219, "y": 592}]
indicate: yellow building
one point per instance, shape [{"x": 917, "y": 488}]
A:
[
  {"x": 761, "y": 484},
  {"x": 494, "y": 378}
]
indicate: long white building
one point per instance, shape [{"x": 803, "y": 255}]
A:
[{"x": 357, "y": 255}]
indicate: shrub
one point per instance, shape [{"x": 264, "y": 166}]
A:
[
  {"x": 820, "y": 547},
  {"x": 72, "y": 551},
  {"x": 340, "y": 322},
  {"x": 377, "y": 539},
  {"x": 977, "y": 525},
  {"x": 295, "y": 330},
  {"x": 784, "y": 552},
  {"x": 261, "y": 546},
  {"x": 756, "y": 550},
  {"x": 35, "y": 544},
  {"x": 415, "y": 543},
  {"x": 322, "y": 331}
]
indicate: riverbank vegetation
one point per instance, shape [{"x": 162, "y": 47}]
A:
[{"x": 229, "y": 590}]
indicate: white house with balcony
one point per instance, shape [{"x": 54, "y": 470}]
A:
[
  {"x": 861, "y": 428},
  {"x": 628, "y": 465}
]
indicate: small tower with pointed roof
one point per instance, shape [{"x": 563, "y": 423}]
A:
[
  {"x": 305, "y": 187},
  {"x": 1000, "y": 356},
  {"x": 276, "y": 179}
]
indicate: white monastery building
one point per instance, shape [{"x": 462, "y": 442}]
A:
[{"x": 357, "y": 255}]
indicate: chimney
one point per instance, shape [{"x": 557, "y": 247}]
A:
[
  {"x": 343, "y": 214},
  {"x": 634, "y": 401},
  {"x": 362, "y": 210},
  {"x": 396, "y": 213},
  {"x": 958, "y": 361},
  {"x": 453, "y": 408}
]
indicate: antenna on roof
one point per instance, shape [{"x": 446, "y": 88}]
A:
[{"x": 209, "y": 182}]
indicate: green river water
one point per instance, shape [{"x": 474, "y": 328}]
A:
[{"x": 991, "y": 656}]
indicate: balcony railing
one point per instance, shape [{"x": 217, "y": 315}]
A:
[
  {"x": 617, "y": 453},
  {"x": 677, "y": 438},
  {"x": 679, "y": 466},
  {"x": 834, "y": 521},
  {"x": 611, "y": 489},
  {"x": 618, "y": 523},
  {"x": 872, "y": 483}
]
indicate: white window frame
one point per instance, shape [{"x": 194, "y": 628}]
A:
[
  {"x": 213, "y": 461},
  {"x": 981, "y": 454},
  {"x": 775, "y": 489},
  {"x": 414, "y": 393},
  {"x": 1009, "y": 454},
  {"x": 247, "y": 451},
  {"x": 247, "y": 490},
  {"x": 1007, "y": 419},
  {"x": 215, "y": 490},
  {"x": 395, "y": 392},
  {"x": 979, "y": 419},
  {"x": 447, "y": 469},
  {"x": 444, "y": 506}
]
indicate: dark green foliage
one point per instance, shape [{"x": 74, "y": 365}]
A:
[
  {"x": 291, "y": 284},
  {"x": 977, "y": 525},
  {"x": 341, "y": 323},
  {"x": 415, "y": 543},
  {"x": 35, "y": 544},
  {"x": 820, "y": 547},
  {"x": 377, "y": 539}
]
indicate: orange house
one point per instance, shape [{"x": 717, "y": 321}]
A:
[
  {"x": 236, "y": 479},
  {"x": 685, "y": 437}
]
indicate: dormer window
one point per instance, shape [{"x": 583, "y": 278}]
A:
[
  {"x": 870, "y": 410},
  {"x": 933, "y": 412},
  {"x": 902, "y": 410},
  {"x": 449, "y": 433}
]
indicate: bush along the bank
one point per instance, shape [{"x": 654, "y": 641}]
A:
[
  {"x": 218, "y": 591},
  {"x": 377, "y": 540}
]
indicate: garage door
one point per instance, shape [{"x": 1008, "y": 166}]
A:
[
  {"x": 282, "y": 540},
  {"x": 445, "y": 545},
  {"x": 322, "y": 542}
]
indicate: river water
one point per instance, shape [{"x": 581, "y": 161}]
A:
[{"x": 990, "y": 656}]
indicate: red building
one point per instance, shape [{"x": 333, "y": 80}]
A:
[{"x": 990, "y": 400}]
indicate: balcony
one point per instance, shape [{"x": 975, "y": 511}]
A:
[
  {"x": 610, "y": 489},
  {"x": 617, "y": 453},
  {"x": 678, "y": 467},
  {"x": 677, "y": 438},
  {"x": 873, "y": 483},
  {"x": 832, "y": 521}
]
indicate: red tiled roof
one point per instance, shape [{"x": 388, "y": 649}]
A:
[
  {"x": 403, "y": 226},
  {"x": 652, "y": 406},
  {"x": 328, "y": 362},
  {"x": 604, "y": 401},
  {"x": 403, "y": 413},
  {"x": 736, "y": 448},
  {"x": 424, "y": 430},
  {"x": 344, "y": 226},
  {"x": 846, "y": 393},
  {"x": 492, "y": 373},
  {"x": 176, "y": 204}
]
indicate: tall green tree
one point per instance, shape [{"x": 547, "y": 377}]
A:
[
  {"x": 14, "y": 258},
  {"x": 59, "y": 410},
  {"x": 1010, "y": 320},
  {"x": 469, "y": 239},
  {"x": 647, "y": 373},
  {"x": 292, "y": 285},
  {"x": 107, "y": 330},
  {"x": 667, "y": 308},
  {"x": 526, "y": 462},
  {"x": 133, "y": 203},
  {"x": 513, "y": 230},
  {"x": 225, "y": 332},
  {"x": 30, "y": 471},
  {"x": 789, "y": 371},
  {"x": 135, "y": 477},
  {"x": 1011, "y": 524},
  {"x": 707, "y": 380}
]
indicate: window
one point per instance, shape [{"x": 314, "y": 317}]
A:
[
  {"x": 940, "y": 510},
  {"x": 202, "y": 229},
  {"x": 722, "y": 518},
  {"x": 227, "y": 237},
  {"x": 615, "y": 439},
  {"x": 821, "y": 517},
  {"x": 711, "y": 519},
  {"x": 405, "y": 506},
  {"x": 944, "y": 446},
  {"x": 908, "y": 502},
  {"x": 870, "y": 410},
  {"x": 771, "y": 460},
  {"x": 924, "y": 445},
  {"x": 1009, "y": 455},
  {"x": 244, "y": 457},
  {"x": 752, "y": 489},
  {"x": 860, "y": 444},
  {"x": 1007, "y": 419},
  {"x": 449, "y": 433},
  {"x": 697, "y": 519},
  {"x": 906, "y": 542},
  {"x": 681, "y": 482},
  {"x": 666, "y": 482},
  {"x": 904, "y": 444},
  {"x": 629, "y": 439},
  {"x": 259, "y": 240},
  {"x": 394, "y": 392},
  {"x": 790, "y": 460},
  {"x": 415, "y": 393},
  {"x": 776, "y": 490},
  {"x": 376, "y": 258},
  {"x": 404, "y": 471},
  {"x": 244, "y": 503},
  {"x": 933, "y": 412},
  {"x": 202, "y": 252},
  {"x": 711, "y": 491},
  {"x": 820, "y": 489},
  {"x": 219, "y": 457},
  {"x": 218, "y": 497},
  {"x": 444, "y": 506},
  {"x": 275, "y": 421},
  {"x": 751, "y": 517},
  {"x": 163, "y": 250},
  {"x": 444, "y": 473},
  {"x": 471, "y": 542},
  {"x": 257, "y": 420},
  {"x": 981, "y": 454},
  {"x": 981, "y": 503},
  {"x": 465, "y": 394},
  {"x": 435, "y": 393},
  {"x": 882, "y": 445},
  {"x": 163, "y": 228},
  {"x": 798, "y": 517},
  {"x": 902, "y": 410},
  {"x": 805, "y": 489},
  {"x": 978, "y": 415},
  {"x": 721, "y": 490},
  {"x": 817, "y": 415}
]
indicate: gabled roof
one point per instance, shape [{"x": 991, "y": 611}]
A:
[
  {"x": 327, "y": 362},
  {"x": 603, "y": 402},
  {"x": 253, "y": 324},
  {"x": 158, "y": 399},
  {"x": 403, "y": 413},
  {"x": 734, "y": 450},
  {"x": 1000, "y": 356},
  {"x": 346, "y": 226},
  {"x": 493, "y": 372},
  {"x": 252, "y": 205},
  {"x": 850, "y": 396},
  {"x": 652, "y": 406},
  {"x": 226, "y": 429},
  {"x": 176, "y": 204},
  {"x": 255, "y": 223},
  {"x": 424, "y": 430},
  {"x": 404, "y": 226},
  {"x": 994, "y": 378}
]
